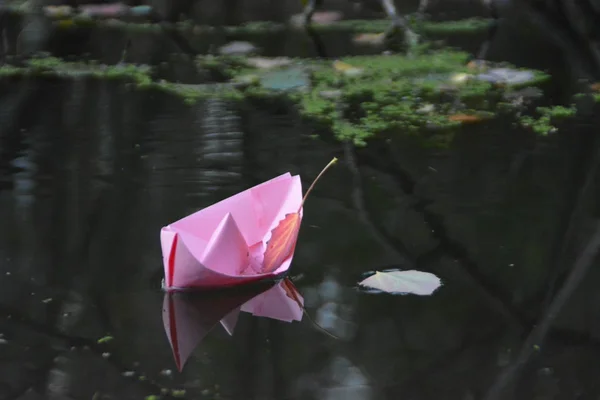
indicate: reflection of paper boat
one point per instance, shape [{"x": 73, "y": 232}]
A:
[
  {"x": 223, "y": 244},
  {"x": 189, "y": 316}
]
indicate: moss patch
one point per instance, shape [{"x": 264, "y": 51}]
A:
[
  {"x": 469, "y": 25},
  {"x": 401, "y": 94},
  {"x": 427, "y": 95},
  {"x": 140, "y": 76},
  {"x": 548, "y": 116},
  {"x": 465, "y": 26},
  {"x": 55, "y": 67}
]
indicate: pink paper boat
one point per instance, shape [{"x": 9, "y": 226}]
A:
[
  {"x": 189, "y": 317},
  {"x": 224, "y": 244}
]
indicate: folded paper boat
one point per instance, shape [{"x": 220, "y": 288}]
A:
[{"x": 224, "y": 244}]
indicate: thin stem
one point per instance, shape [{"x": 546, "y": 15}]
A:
[
  {"x": 316, "y": 179},
  {"x": 292, "y": 291},
  {"x": 319, "y": 327}
]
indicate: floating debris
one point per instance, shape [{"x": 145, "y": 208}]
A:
[
  {"x": 58, "y": 11},
  {"x": 318, "y": 18},
  {"x": 427, "y": 108},
  {"x": 460, "y": 77},
  {"x": 373, "y": 39},
  {"x": 103, "y": 10},
  {"x": 326, "y": 17},
  {"x": 237, "y": 48},
  {"x": 346, "y": 69},
  {"x": 291, "y": 78},
  {"x": 330, "y": 94},
  {"x": 97, "y": 11},
  {"x": 521, "y": 96},
  {"x": 507, "y": 76},
  {"x": 105, "y": 339},
  {"x": 402, "y": 282},
  {"x": 268, "y": 63},
  {"x": 478, "y": 65},
  {"x": 178, "y": 392},
  {"x": 466, "y": 118}
]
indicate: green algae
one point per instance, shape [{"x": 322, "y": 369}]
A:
[
  {"x": 250, "y": 28},
  {"x": 427, "y": 95},
  {"x": 7, "y": 71},
  {"x": 464, "y": 26},
  {"x": 105, "y": 339},
  {"x": 191, "y": 94},
  {"x": 223, "y": 67},
  {"x": 55, "y": 67},
  {"x": 140, "y": 76},
  {"x": 469, "y": 25},
  {"x": 391, "y": 93},
  {"x": 137, "y": 75},
  {"x": 548, "y": 116},
  {"x": 142, "y": 23},
  {"x": 178, "y": 393}
]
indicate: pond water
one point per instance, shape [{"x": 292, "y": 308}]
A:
[{"x": 91, "y": 170}]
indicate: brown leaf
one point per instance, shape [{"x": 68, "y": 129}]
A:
[{"x": 282, "y": 243}]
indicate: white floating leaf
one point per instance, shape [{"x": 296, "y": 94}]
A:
[
  {"x": 415, "y": 282},
  {"x": 507, "y": 76},
  {"x": 268, "y": 63},
  {"x": 369, "y": 38}
]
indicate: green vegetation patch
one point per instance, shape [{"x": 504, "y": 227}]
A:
[
  {"x": 469, "y": 25},
  {"x": 55, "y": 67},
  {"x": 140, "y": 76},
  {"x": 427, "y": 94},
  {"x": 548, "y": 116},
  {"x": 359, "y": 97},
  {"x": 464, "y": 26},
  {"x": 434, "y": 92}
]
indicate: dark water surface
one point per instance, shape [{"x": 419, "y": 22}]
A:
[{"x": 90, "y": 172}]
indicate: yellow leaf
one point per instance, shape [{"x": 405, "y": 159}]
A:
[{"x": 346, "y": 68}]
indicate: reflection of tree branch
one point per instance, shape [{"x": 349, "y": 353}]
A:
[
  {"x": 584, "y": 58},
  {"x": 246, "y": 360},
  {"x": 390, "y": 244},
  {"x": 538, "y": 334},
  {"x": 449, "y": 247},
  {"x": 477, "y": 339},
  {"x": 40, "y": 378},
  {"x": 578, "y": 194},
  {"x": 316, "y": 39},
  {"x": 491, "y": 32},
  {"x": 75, "y": 341},
  {"x": 443, "y": 363},
  {"x": 277, "y": 350},
  {"x": 459, "y": 252}
]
